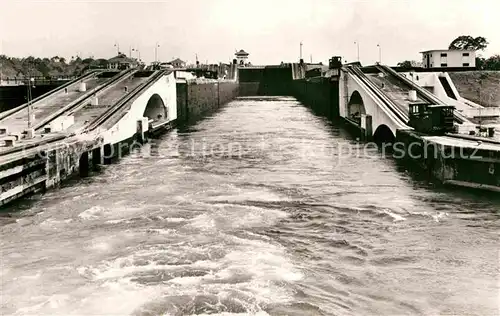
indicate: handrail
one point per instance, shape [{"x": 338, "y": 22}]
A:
[
  {"x": 428, "y": 96},
  {"x": 123, "y": 101},
  {"x": 49, "y": 93},
  {"x": 73, "y": 105},
  {"x": 381, "y": 103},
  {"x": 380, "y": 94}
]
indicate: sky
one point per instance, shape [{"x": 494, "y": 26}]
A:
[{"x": 269, "y": 30}]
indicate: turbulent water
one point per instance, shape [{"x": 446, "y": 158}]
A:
[{"x": 261, "y": 209}]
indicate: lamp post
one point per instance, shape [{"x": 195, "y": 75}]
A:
[
  {"x": 29, "y": 82},
  {"x": 357, "y": 45},
  {"x": 156, "y": 51},
  {"x": 379, "y": 54}
]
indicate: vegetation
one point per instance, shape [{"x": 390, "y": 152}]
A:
[
  {"x": 407, "y": 64},
  {"x": 467, "y": 42},
  {"x": 47, "y": 67}
]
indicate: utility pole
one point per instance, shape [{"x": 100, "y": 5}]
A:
[
  {"x": 156, "y": 51},
  {"x": 357, "y": 45},
  {"x": 379, "y": 54},
  {"x": 311, "y": 58},
  {"x": 117, "y": 45},
  {"x": 300, "y": 50},
  {"x": 28, "y": 83}
]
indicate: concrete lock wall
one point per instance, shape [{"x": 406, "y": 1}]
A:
[
  {"x": 322, "y": 96},
  {"x": 268, "y": 80},
  {"x": 21, "y": 176},
  {"x": 195, "y": 100}
]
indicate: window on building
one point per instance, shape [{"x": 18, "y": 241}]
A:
[
  {"x": 444, "y": 55},
  {"x": 465, "y": 54},
  {"x": 444, "y": 65},
  {"x": 465, "y": 64}
]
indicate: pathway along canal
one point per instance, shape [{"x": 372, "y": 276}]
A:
[{"x": 261, "y": 209}]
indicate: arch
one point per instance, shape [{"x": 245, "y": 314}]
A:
[
  {"x": 356, "y": 106},
  {"x": 155, "y": 108},
  {"x": 384, "y": 135}
]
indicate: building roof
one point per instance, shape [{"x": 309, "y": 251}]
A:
[
  {"x": 176, "y": 61},
  {"x": 122, "y": 59},
  {"x": 446, "y": 50},
  {"x": 242, "y": 53}
]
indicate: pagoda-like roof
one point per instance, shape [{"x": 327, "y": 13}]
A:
[{"x": 242, "y": 53}]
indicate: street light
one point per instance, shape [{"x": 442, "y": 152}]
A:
[
  {"x": 29, "y": 83},
  {"x": 379, "y": 53},
  {"x": 357, "y": 44},
  {"x": 300, "y": 57},
  {"x": 156, "y": 51}
]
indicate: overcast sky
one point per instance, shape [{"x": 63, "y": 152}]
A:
[{"x": 270, "y": 30}]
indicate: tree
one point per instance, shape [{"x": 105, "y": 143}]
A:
[
  {"x": 407, "y": 64},
  {"x": 492, "y": 63},
  {"x": 467, "y": 42},
  {"x": 480, "y": 63}
]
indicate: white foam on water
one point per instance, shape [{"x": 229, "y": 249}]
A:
[
  {"x": 231, "y": 215},
  {"x": 32, "y": 277},
  {"x": 395, "y": 216},
  {"x": 50, "y": 305},
  {"x": 92, "y": 213},
  {"x": 175, "y": 219},
  {"x": 115, "y": 213},
  {"x": 260, "y": 313},
  {"x": 52, "y": 222},
  {"x": 117, "y": 221},
  {"x": 109, "y": 298}
]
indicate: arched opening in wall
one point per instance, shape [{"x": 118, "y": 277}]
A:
[
  {"x": 384, "y": 135},
  {"x": 155, "y": 109},
  {"x": 355, "y": 107}
]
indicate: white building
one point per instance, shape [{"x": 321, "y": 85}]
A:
[{"x": 441, "y": 58}]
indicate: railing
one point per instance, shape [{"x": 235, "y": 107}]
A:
[
  {"x": 426, "y": 95},
  {"x": 73, "y": 106},
  {"x": 391, "y": 105},
  {"x": 118, "y": 106},
  {"x": 16, "y": 81},
  {"x": 25, "y": 105}
]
